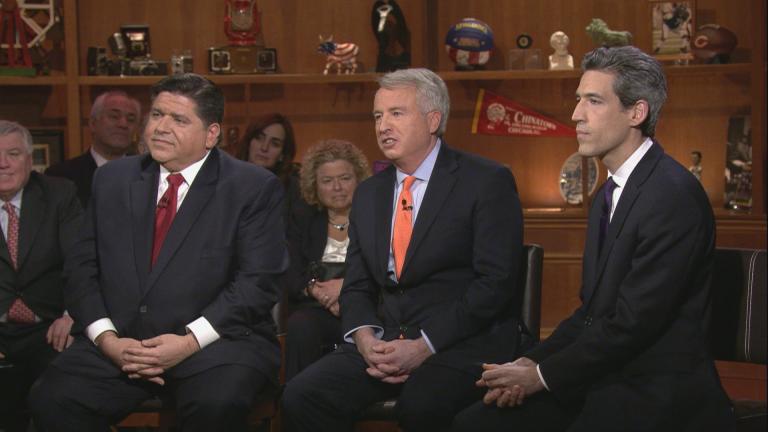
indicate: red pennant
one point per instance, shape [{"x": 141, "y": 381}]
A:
[{"x": 496, "y": 115}]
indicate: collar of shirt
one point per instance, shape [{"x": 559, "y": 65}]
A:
[
  {"x": 99, "y": 159},
  {"x": 16, "y": 203},
  {"x": 189, "y": 173},
  {"x": 622, "y": 174}
]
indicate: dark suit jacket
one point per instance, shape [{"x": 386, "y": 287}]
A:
[
  {"x": 219, "y": 260},
  {"x": 80, "y": 170},
  {"x": 645, "y": 297},
  {"x": 306, "y": 242},
  {"x": 49, "y": 220},
  {"x": 457, "y": 283}
]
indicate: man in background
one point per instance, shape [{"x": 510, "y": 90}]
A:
[
  {"x": 40, "y": 217},
  {"x": 114, "y": 121}
]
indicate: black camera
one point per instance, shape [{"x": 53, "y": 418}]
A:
[{"x": 131, "y": 49}]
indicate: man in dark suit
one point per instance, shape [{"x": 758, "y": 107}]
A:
[
  {"x": 437, "y": 237},
  {"x": 172, "y": 281},
  {"x": 40, "y": 217},
  {"x": 634, "y": 355},
  {"x": 115, "y": 119}
]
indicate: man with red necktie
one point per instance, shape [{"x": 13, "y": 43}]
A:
[
  {"x": 173, "y": 278},
  {"x": 40, "y": 217}
]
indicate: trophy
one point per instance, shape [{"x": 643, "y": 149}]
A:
[{"x": 245, "y": 53}]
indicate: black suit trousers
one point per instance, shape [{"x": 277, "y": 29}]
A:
[
  {"x": 26, "y": 348},
  {"x": 331, "y": 393},
  {"x": 219, "y": 398},
  {"x": 658, "y": 402}
]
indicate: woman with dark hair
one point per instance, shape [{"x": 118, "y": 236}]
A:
[
  {"x": 269, "y": 142},
  {"x": 330, "y": 173}
]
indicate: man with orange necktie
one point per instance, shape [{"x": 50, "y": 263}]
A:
[
  {"x": 40, "y": 217},
  {"x": 429, "y": 291},
  {"x": 172, "y": 280}
]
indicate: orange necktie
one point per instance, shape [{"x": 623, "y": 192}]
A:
[{"x": 403, "y": 224}]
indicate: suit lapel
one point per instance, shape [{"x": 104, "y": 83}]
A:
[
  {"x": 197, "y": 197},
  {"x": 33, "y": 210},
  {"x": 441, "y": 183},
  {"x": 632, "y": 190},
  {"x": 143, "y": 196},
  {"x": 382, "y": 217}
]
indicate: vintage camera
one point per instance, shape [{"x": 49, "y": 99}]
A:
[
  {"x": 232, "y": 59},
  {"x": 146, "y": 67},
  {"x": 131, "y": 48}
]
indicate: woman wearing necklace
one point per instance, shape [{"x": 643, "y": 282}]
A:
[{"x": 330, "y": 172}]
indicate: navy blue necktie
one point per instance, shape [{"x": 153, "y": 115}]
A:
[{"x": 605, "y": 216}]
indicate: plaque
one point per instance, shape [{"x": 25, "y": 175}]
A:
[{"x": 570, "y": 178}]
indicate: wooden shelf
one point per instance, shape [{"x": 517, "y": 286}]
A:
[
  {"x": 495, "y": 75},
  {"x": 33, "y": 81}
]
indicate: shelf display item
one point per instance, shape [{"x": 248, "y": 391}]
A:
[
  {"x": 672, "y": 30},
  {"x": 242, "y": 22},
  {"x": 497, "y": 115},
  {"x": 561, "y": 59},
  {"x": 245, "y": 53},
  {"x": 695, "y": 167},
  {"x": 469, "y": 44},
  {"x": 602, "y": 35},
  {"x": 343, "y": 56},
  {"x": 713, "y": 44},
  {"x": 738, "y": 165},
  {"x": 393, "y": 36},
  {"x": 21, "y": 30},
  {"x": 570, "y": 178}
]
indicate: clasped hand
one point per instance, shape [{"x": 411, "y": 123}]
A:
[
  {"x": 391, "y": 362},
  {"x": 150, "y": 358},
  {"x": 509, "y": 383},
  {"x": 327, "y": 294}
]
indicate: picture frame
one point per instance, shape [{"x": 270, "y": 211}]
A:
[
  {"x": 47, "y": 148},
  {"x": 672, "y": 28}
]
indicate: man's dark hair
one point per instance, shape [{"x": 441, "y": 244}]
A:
[
  {"x": 638, "y": 77},
  {"x": 208, "y": 97}
]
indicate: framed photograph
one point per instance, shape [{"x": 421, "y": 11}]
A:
[
  {"x": 672, "y": 27},
  {"x": 47, "y": 148},
  {"x": 266, "y": 60},
  {"x": 738, "y": 164}
]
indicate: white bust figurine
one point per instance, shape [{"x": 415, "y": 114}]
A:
[{"x": 560, "y": 59}]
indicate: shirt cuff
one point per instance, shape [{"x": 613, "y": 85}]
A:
[
  {"x": 378, "y": 332},
  {"x": 541, "y": 377},
  {"x": 203, "y": 332},
  {"x": 98, "y": 327},
  {"x": 429, "y": 344}
]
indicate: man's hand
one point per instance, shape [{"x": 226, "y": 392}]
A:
[
  {"x": 365, "y": 341},
  {"x": 508, "y": 384},
  {"x": 327, "y": 293},
  {"x": 399, "y": 357},
  {"x": 115, "y": 348},
  {"x": 58, "y": 333},
  {"x": 155, "y": 356}
]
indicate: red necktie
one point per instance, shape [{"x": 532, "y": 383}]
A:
[
  {"x": 19, "y": 312},
  {"x": 165, "y": 212},
  {"x": 401, "y": 235}
]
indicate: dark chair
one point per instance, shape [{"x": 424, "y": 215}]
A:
[
  {"x": 158, "y": 413},
  {"x": 530, "y": 279},
  {"x": 738, "y": 331}
]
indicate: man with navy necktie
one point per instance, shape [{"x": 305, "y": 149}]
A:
[
  {"x": 172, "y": 280},
  {"x": 39, "y": 217},
  {"x": 634, "y": 356},
  {"x": 429, "y": 290}
]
